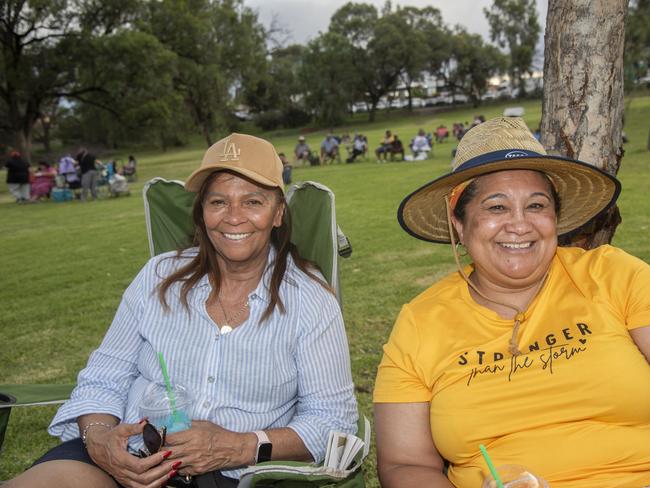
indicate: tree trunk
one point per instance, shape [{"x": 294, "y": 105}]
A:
[
  {"x": 371, "y": 114},
  {"x": 582, "y": 109},
  {"x": 23, "y": 142},
  {"x": 46, "y": 138},
  {"x": 410, "y": 95}
]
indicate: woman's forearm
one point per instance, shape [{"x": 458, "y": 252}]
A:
[
  {"x": 413, "y": 476},
  {"x": 287, "y": 445},
  {"x": 95, "y": 422}
]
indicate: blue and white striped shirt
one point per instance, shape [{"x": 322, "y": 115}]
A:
[{"x": 292, "y": 371}]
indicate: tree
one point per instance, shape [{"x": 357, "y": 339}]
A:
[
  {"x": 474, "y": 63},
  {"x": 418, "y": 26},
  {"x": 329, "y": 76},
  {"x": 378, "y": 45},
  {"x": 136, "y": 73},
  {"x": 355, "y": 22},
  {"x": 277, "y": 90},
  {"x": 582, "y": 109},
  {"x": 514, "y": 24},
  {"x": 42, "y": 45},
  {"x": 637, "y": 41},
  {"x": 219, "y": 46}
]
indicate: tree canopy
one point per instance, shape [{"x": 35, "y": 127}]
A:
[
  {"x": 514, "y": 24},
  {"x": 116, "y": 72}
]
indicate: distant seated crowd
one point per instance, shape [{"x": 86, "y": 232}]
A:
[
  {"x": 68, "y": 179},
  {"x": 330, "y": 149},
  {"x": 390, "y": 146}
]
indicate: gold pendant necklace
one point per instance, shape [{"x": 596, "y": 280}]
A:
[{"x": 229, "y": 323}]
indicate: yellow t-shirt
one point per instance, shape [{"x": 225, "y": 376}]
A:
[{"x": 574, "y": 407}]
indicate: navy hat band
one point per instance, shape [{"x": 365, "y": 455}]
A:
[{"x": 497, "y": 156}]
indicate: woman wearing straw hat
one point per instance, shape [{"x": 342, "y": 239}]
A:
[
  {"x": 538, "y": 352},
  {"x": 248, "y": 327}
]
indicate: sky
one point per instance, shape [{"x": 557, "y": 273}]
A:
[{"x": 303, "y": 19}]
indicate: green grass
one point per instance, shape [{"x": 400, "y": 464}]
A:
[{"x": 63, "y": 267}]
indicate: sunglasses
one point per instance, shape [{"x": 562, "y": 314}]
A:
[{"x": 153, "y": 440}]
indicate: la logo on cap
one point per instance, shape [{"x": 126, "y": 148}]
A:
[{"x": 230, "y": 151}]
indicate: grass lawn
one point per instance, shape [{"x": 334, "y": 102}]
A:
[{"x": 64, "y": 266}]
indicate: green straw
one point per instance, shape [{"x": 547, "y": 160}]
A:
[
  {"x": 493, "y": 470},
  {"x": 170, "y": 392}
]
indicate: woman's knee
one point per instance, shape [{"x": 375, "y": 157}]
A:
[{"x": 62, "y": 474}]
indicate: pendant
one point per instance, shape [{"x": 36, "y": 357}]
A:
[{"x": 225, "y": 329}]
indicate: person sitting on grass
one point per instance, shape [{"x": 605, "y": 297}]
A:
[
  {"x": 442, "y": 134},
  {"x": 420, "y": 146},
  {"x": 329, "y": 149},
  {"x": 359, "y": 147},
  {"x": 248, "y": 327},
  {"x": 302, "y": 152},
  {"x": 43, "y": 181},
  {"x": 397, "y": 148},
  {"x": 385, "y": 146}
]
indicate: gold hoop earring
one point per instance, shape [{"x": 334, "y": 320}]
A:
[{"x": 461, "y": 254}]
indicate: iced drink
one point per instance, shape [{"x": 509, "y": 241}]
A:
[
  {"x": 156, "y": 406},
  {"x": 515, "y": 476}
]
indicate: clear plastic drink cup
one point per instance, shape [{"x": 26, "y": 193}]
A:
[
  {"x": 156, "y": 406},
  {"x": 515, "y": 476}
]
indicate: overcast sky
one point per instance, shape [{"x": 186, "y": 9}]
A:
[{"x": 303, "y": 19}]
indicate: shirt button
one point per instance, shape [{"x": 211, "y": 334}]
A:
[
  {"x": 206, "y": 404},
  {"x": 210, "y": 379}
]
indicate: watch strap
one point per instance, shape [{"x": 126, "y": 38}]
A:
[
  {"x": 262, "y": 438},
  {"x": 264, "y": 447}
]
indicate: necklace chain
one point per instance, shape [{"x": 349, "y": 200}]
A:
[{"x": 229, "y": 322}]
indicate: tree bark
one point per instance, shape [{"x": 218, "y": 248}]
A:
[{"x": 582, "y": 108}]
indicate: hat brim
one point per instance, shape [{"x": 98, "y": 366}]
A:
[
  {"x": 196, "y": 179},
  {"x": 584, "y": 191}
]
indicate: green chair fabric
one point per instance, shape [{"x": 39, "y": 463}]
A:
[
  {"x": 168, "y": 215},
  {"x": 15, "y": 396}
]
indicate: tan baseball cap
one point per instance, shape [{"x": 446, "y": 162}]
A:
[{"x": 247, "y": 155}]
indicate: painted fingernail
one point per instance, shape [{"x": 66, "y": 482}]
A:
[
  {"x": 176, "y": 464},
  {"x": 166, "y": 454},
  {"x": 143, "y": 420},
  {"x": 173, "y": 473}
]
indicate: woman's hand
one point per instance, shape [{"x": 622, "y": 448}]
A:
[
  {"x": 108, "y": 449},
  {"x": 206, "y": 447}
]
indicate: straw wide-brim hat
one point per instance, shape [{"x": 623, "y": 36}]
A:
[
  {"x": 246, "y": 155},
  {"x": 506, "y": 143}
]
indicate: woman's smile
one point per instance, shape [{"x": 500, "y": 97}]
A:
[{"x": 509, "y": 228}]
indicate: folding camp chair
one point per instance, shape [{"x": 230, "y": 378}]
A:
[{"x": 27, "y": 396}]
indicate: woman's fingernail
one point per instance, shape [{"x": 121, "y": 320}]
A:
[
  {"x": 166, "y": 454},
  {"x": 173, "y": 473},
  {"x": 143, "y": 420},
  {"x": 176, "y": 464}
]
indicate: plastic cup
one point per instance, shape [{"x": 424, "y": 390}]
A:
[
  {"x": 155, "y": 405},
  {"x": 515, "y": 476}
]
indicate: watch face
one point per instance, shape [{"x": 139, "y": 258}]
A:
[{"x": 264, "y": 452}]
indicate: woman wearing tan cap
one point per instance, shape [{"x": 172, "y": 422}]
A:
[
  {"x": 537, "y": 352},
  {"x": 245, "y": 325}
]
